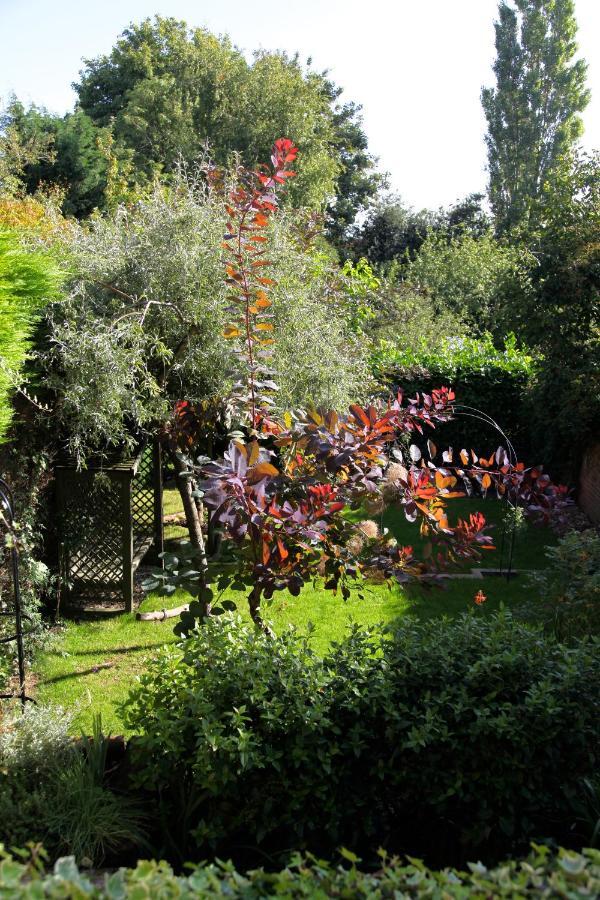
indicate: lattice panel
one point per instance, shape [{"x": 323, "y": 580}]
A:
[
  {"x": 92, "y": 535},
  {"x": 107, "y": 525},
  {"x": 142, "y": 499}
]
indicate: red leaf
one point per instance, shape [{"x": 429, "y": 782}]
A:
[{"x": 359, "y": 414}]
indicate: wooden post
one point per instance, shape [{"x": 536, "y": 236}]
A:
[
  {"x": 63, "y": 553},
  {"x": 157, "y": 484},
  {"x": 127, "y": 533}
]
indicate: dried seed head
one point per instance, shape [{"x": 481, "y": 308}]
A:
[
  {"x": 355, "y": 544},
  {"x": 393, "y": 472},
  {"x": 369, "y": 528}
]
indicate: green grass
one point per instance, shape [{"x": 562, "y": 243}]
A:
[
  {"x": 94, "y": 661},
  {"x": 172, "y": 504}
]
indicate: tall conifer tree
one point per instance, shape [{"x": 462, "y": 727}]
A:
[{"x": 533, "y": 112}]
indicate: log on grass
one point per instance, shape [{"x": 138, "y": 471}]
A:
[
  {"x": 159, "y": 614},
  {"x": 175, "y": 519}
]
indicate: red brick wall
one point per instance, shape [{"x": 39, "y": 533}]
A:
[{"x": 589, "y": 483}]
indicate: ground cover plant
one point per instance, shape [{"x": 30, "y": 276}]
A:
[
  {"x": 543, "y": 873},
  {"x": 54, "y": 791}
]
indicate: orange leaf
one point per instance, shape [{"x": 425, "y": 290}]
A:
[
  {"x": 282, "y": 549},
  {"x": 444, "y": 481},
  {"x": 259, "y": 471},
  {"x": 254, "y": 453}
]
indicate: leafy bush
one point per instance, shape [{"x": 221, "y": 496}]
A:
[
  {"x": 148, "y": 297},
  {"x": 52, "y": 792},
  {"x": 483, "y": 377},
  {"x": 542, "y": 874},
  {"x": 569, "y": 587},
  {"x": 395, "y": 315},
  {"x": 444, "y": 738},
  {"x": 27, "y": 280},
  {"x": 476, "y": 278}
]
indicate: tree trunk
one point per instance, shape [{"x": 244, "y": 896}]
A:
[
  {"x": 193, "y": 517},
  {"x": 254, "y": 604}
]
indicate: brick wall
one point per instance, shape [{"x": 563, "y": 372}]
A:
[{"x": 589, "y": 483}]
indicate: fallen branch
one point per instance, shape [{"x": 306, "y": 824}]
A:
[
  {"x": 175, "y": 519},
  {"x": 159, "y": 615}
]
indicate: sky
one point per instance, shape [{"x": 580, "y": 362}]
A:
[{"x": 416, "y": 66}]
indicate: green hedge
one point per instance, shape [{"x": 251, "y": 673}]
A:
[
  {"x": 442, "y": 739},
  {"x": 542, "y": 874},
  {"x": 483, "y": 377}
]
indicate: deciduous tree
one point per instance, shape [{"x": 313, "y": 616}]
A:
[
  {"x": 169, "y": 89},
  {"x": 533, "y": 111}
]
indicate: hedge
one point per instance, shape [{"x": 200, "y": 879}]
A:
[{"x": 483, "y": 377}]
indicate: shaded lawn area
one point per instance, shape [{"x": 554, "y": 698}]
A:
[{"x": 93, "y": 662}]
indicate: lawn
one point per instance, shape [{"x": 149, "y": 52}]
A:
[{"x": 92, "y": 662}]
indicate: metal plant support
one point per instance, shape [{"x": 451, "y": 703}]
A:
[
  {"x": 7, "y": 515},
  {"x": 474, "y": 413}
]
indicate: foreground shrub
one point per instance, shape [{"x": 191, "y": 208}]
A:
[
  {"x": 569, "y": 587},
  {"x": 542, "y": 874},
  {"x": 53, "y": 792},
  {"x": 444, "y": 738},
  {"x": 28, "y": 280}
]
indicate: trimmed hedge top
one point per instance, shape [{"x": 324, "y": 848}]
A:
[
  {"x": 456, "y": 357},
  {"x": 483, "y": 377},
  {"x": 542, "y": 874}
]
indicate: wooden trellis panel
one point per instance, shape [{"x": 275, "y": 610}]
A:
[{"x": 110, "y": 515}]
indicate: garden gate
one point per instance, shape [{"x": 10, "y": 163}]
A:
[{"x": 109, "y": 517}]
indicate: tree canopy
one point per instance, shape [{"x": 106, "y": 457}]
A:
[
  {"x": 165, "y": 92},
  {"x": 62, "y": 151}
]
